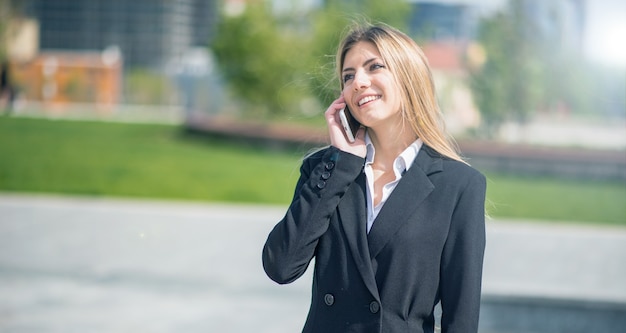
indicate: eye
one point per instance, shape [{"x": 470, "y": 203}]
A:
[
  {"x": 348, "y": 77},
  {"x": 376, "y": 66}
]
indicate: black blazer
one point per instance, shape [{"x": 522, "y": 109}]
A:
[{"x": 425, "y": 246}]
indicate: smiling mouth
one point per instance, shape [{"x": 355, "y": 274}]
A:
[{"x": 368, "y": 99}]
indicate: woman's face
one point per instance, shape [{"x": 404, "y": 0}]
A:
[{"x": 369, "y": 87}]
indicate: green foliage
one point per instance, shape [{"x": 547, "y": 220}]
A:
[
  {"x": 331, "y": 22},
  {"x": 275, "y": 61},
  {"x": 508, "y": 85},
  {"x": 261, "y": 61},
  {"x": 489, "y": 82},
  {"x": 526, "y": 72},
  {"x": 573, "y": 84}
]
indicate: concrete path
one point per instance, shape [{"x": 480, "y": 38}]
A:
[{"x": 104, "y": 265}]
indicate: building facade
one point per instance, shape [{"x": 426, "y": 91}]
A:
[
  {"x": 149, "y": 33},
  {"x": 434, "y": 21}
]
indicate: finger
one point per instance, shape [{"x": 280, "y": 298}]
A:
[{"x": 333, "y": 109}]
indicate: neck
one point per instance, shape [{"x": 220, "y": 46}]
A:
[{"x": 390, "y": 143}]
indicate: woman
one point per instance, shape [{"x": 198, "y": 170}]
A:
[{"x": 395, "y": 219}]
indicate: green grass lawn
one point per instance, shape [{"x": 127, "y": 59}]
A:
[
  {"x": 554, "y": 199},
  {"x": 131, "y": 160},
  {"x": 160, "y": 161}
]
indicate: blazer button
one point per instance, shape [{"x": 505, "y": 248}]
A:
[
  {"x": 329, "y": 299},
  {"x": 330, "y": 165},
  {"x": 321, "y": 184},
  {"x": 374, "y": 307},
  {"x": 325, "y": 175}
]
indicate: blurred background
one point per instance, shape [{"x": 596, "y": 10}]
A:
[
  {"x": 212, "y": 103},
  {"x": 502, "y": 67}
]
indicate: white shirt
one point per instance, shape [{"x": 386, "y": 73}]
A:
[{"x": 401, "y": 164}]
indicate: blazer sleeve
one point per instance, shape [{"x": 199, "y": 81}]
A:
[
  {"x": 462, "y": 260},
  {"x": 324, "y": 178}
]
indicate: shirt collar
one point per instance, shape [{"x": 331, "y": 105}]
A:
[
  {"x": 369, "y": 157},
  {"x": 402, "y": 163}
]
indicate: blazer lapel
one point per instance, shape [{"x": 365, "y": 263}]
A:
[
  {"x": 353, "y": 217},
  {"x": 405, "y": 199}
]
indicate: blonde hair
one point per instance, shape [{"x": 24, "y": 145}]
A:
[{"x": 408, "y": 64}]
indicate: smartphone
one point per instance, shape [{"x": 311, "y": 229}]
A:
[{"x": 350, "y": 125}]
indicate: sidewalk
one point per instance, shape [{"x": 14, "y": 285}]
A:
[{"x": 71, "y": 264}]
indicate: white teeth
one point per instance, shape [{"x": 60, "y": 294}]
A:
[{"x": 368, "y": 99}]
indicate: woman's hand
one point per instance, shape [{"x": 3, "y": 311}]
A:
[{"x": 337, "y": 136}]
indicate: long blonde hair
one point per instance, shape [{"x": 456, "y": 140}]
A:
[{"x": 406, "y": 60}]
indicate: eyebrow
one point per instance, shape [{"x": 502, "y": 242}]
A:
[{"x": 364, "y": 64}]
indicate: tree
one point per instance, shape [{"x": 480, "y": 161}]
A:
[
  {"x": 330, "y": 22},
  {"x": 275, "y": 61},
  {"x": 507, "y": 86},
  {"x": 260, "y": 61}
]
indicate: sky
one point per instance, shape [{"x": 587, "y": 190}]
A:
[
  {"x": 605, "y": 33},
  {"x": 605, "y": 38}
]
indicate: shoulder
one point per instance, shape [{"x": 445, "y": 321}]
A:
[{"x": 454, "y": 170}]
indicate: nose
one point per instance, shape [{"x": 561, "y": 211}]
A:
[{"x": 361, "y": 80}]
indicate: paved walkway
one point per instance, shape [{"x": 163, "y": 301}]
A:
[{"x": 105, "y": 265}]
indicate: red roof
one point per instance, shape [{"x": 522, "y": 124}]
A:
[{"x": 443, "y": 55}]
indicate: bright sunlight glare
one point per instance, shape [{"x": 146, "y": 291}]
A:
[
  {"x": 606, "y": 36},
  {"x": 609, "y": 47}
]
